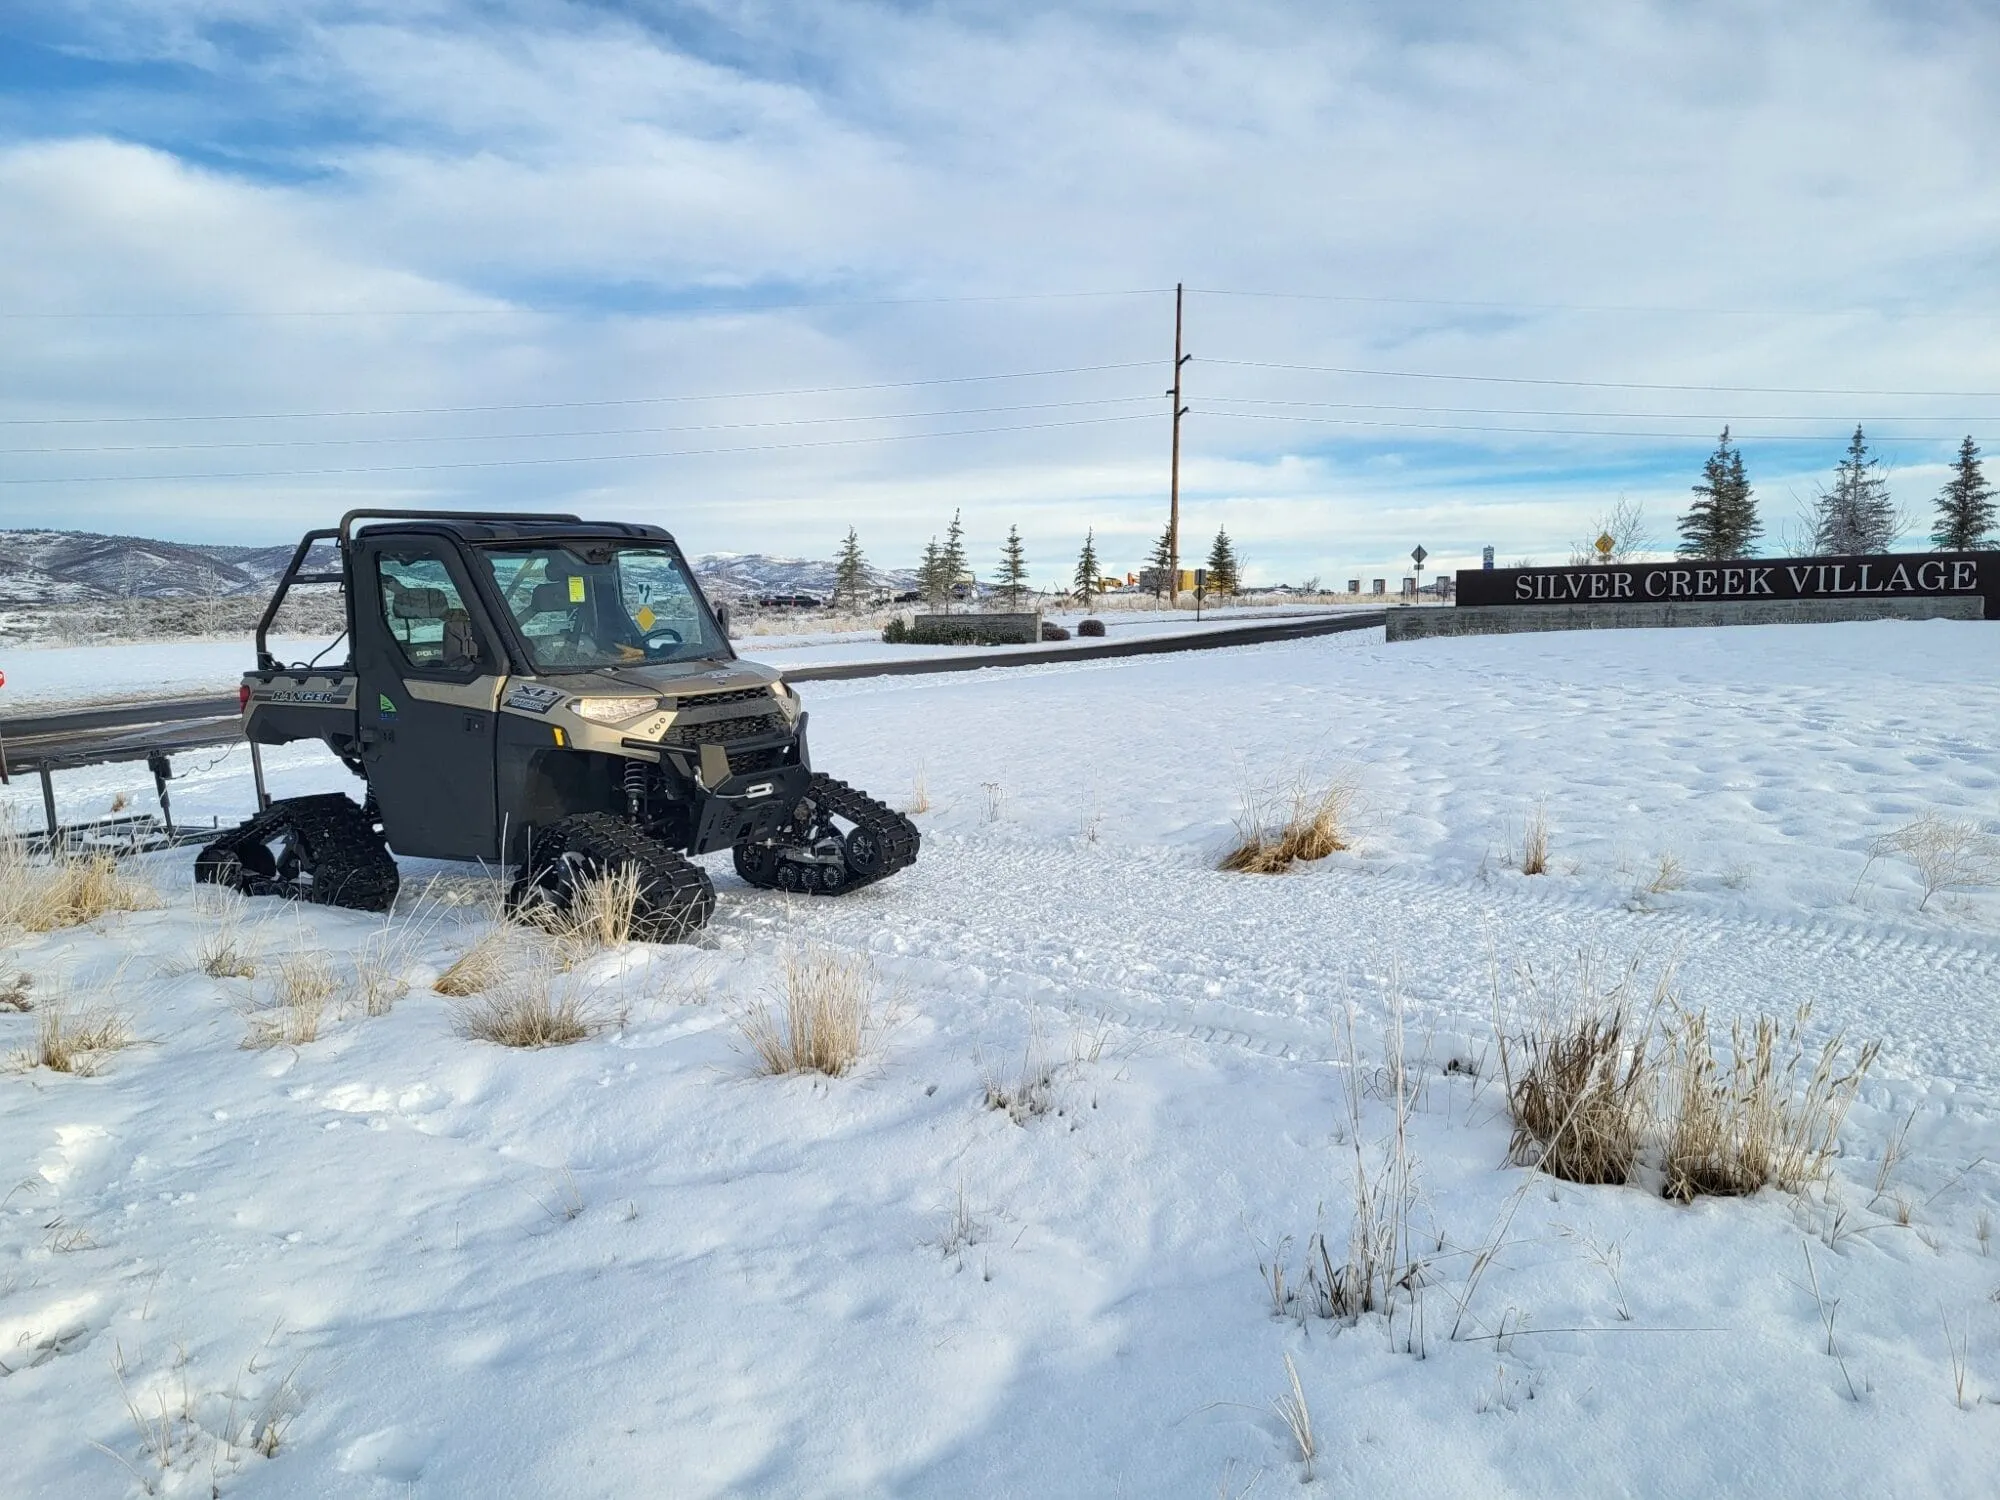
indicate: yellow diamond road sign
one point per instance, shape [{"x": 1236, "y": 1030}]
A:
[
  {"x": 1605, "y": 543},
  {"x": 646, "y": 617}
]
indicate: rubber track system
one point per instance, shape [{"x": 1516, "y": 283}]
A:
[
  {"x": 329, "y": 854},
  {"x": 889, "y": 840},
  {"x": 675, "y": 898}
]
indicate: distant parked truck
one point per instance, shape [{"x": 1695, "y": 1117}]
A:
[{"x": 788, "y": 601}]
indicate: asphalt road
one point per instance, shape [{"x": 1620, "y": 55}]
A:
[{"x": 131, "y": 731}]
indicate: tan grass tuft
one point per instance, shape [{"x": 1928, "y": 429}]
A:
[
  {"x": 1580, "y": 1077},
  {"x": 305, "y": 985},
  {"x": 44, "y": 893},
  {"x": 222, "y": 954},
  {"x": 14, "y": 994},
  {"x": 1729, "y": 1133},
  {"x": 535, "y": 1008},
  {"x": 480, "y": 967},
  {"x": 920, "y": 795},
  {"x": 76, "y": 1044},
  {"x": 1535, "y": 842},
  {"x": 1276, "y": 832},
  {"x": 823, "y": 1019}
]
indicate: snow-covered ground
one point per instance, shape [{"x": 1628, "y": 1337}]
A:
[{"x": 632, "y": 1267}]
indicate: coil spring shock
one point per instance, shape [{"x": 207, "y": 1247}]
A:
[{"x": 635, "y": 788}]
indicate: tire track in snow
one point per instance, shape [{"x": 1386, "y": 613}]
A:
[{"x": 1265, "y": 964}]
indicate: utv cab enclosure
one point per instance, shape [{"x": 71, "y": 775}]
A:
[{"x": 549, "y": 693}]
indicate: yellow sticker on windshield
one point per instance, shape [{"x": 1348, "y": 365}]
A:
[{"x": 575, "y": 589}]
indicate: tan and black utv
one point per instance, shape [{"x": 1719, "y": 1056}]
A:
[{"x": 546, "y": 693}]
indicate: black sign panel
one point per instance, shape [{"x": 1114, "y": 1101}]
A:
[{"x": 1915, "y": 575}]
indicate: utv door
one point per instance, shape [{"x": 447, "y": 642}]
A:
[{"x": 430, "y": 674}]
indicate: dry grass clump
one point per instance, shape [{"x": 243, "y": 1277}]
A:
[
  {"x": 535, "y": 1008},
  {"x": 822, "y": 1021},
  {"x": 1275, "y": 832},
  {"x": 1535, "y": 842},
  {"x": 222, "y": 954},
  {"x": 1600, "y": 1085},
  {"x": 306, "y": 984},
  {"x": 1727, "y": 1134},
  {"x": 76, "y": 1044},
  {"x": 1580, "y": 1079},
  {"x": 480, "y": 967},
  {"x": 920, "y": 795},
  {"x": 14, "y": 994},
  {"x": 44, "y": 893}
]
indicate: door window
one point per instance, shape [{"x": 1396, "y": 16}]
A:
[{"x": 425, "y": 612}]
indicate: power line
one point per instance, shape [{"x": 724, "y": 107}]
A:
[
  {"x": 1623, "y": 416},
  {"x": 1604, "y": 385},
  {"x": 495, "y": 437},
  {"x": 1588, "y": 307},
  {"x": 439, "y": 411},
  {"x": 749, "y": 305},
  {"x": 586, "y": 458},
  {"x": 1683, "y": 437}
]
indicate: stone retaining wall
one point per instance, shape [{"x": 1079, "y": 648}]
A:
[{"x": 1415, "y": 624}]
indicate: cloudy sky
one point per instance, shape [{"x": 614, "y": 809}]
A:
[{"x": 1459, "y": 273}]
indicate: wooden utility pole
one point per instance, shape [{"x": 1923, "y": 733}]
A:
[{"x": 1174, "y": 504}]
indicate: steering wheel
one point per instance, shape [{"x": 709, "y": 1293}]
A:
[{"x": 661, "y": 635}]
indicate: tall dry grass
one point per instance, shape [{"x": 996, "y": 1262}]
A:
[
  {"x": 1610, "y": 1079},
  {"x": 1303, "y": 822},
  {"x": 305, "y": 986},
  {"x": 1580, "y": 1076},
  {"x": 538, "y": 1006},
  {"x": 821, "y": 1020},
  {"x": 41, "y": 893},
  {"x": 1772, "y": 1115},
  {"x": 75, "y": 1039}
]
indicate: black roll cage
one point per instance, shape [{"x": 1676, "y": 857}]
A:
[{"x": 343, "y": 538}]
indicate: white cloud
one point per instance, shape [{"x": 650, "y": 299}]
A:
[{"x": 1792, "y": 158}]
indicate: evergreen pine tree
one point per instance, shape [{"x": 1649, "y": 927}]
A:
[
  {"x": 1705, "y": 527},
  {"x": 1087, "y": 571},
  {"x": 931, "y": 575},
  {"x": 951, "y": 559},
  {"x": 1855, "y": 516},
  {"x": 1161, "y": 561},
  {"x": 1013, "y": 574},
  {"x": 1964, "y": 505},
  {"x": 1742, "y": 526},
  {"x": 1222, "y": 565},
  {"x": 850, "y": 573}
]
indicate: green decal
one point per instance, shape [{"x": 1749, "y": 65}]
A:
[{"x": 384, "y": 705}]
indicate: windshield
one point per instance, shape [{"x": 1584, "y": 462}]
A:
[{"x": 598, "y": 604}]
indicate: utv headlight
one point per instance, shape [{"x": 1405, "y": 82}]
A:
[{"x": 612, "y": 710}]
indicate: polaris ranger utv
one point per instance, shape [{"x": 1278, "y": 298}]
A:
[{"x": 550, "y": 694}]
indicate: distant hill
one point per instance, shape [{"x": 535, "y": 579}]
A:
[{"x": 83, "y": 567}]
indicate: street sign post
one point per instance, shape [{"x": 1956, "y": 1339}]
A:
[{"x": 1417, "y": 556}]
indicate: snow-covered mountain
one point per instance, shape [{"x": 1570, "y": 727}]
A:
[{"x": 80, "y": 567}]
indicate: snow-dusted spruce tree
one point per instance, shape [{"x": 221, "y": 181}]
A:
[
  {"x": 1222, "y": 565},
  {"x": 951, "y": 559},
  {"x": 1964, "y": 505},
  {"x": 1722, "y": 520},
  {"x": 1013, "y": 575},
  {"x": 1855, "y": 516},
  {"x": 931, "y": 575},
  {"x": 850, "y": 573},
  {"x": 1162, "y": 562},
  {"x": 1087, "y": 572}
]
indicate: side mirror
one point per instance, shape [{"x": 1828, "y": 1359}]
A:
[{"x": 722, "y": 616}]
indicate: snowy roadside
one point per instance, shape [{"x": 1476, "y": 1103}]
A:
[{"x": 631, "y": 1266}]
